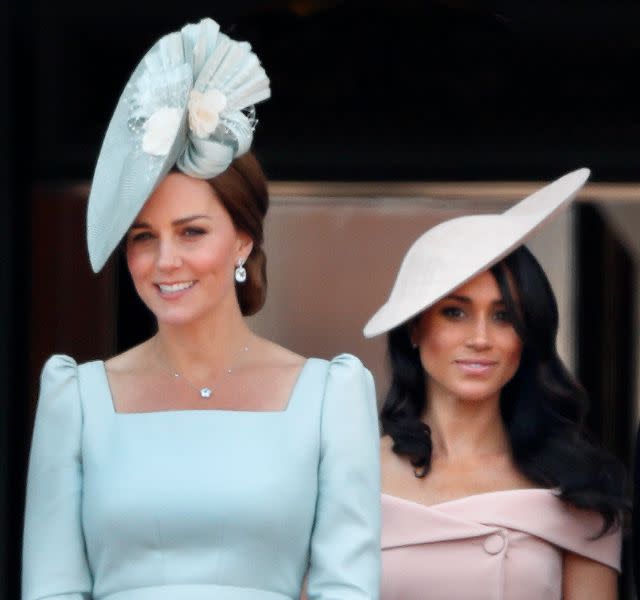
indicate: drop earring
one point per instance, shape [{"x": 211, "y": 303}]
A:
[
  {"x": 412, "y": 341},
  {"x": 241, "y": 272}
]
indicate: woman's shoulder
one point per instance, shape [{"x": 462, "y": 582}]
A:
[
  {"x": 274, "y": 355},
  {"x": 542, "y": 513},
  {"x": 125, "y": 361},
  {"x": 392, "y": 464},
  {"x": 59, "y": 363},
  {"x": 346, "y": 375},
  {"x": 344, "y": 365},
  {"x": 277, "y": 354},
  {"x": 132, "y": 360},
  {"x": 58, "y": 381},
  {"x": 59, "y": 395},
  {"x": 348, "y": 391},
  {"x": 63, "y": 375},
  {"x": 61, "y": 369},
  {"x": 538, "y": 513}
]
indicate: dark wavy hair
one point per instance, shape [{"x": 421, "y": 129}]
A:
[{"x": 543, "y": 407}]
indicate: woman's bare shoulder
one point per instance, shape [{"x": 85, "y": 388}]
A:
[
  {"x": 396, "y": 471},
  {"x": 388, "y": 458}
]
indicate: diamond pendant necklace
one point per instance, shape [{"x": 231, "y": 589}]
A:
[{"x": 206, "y": 391}]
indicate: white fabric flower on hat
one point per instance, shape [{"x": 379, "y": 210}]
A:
[
  {"x": 160, "y": 130},
  {"x": 204, "y": 111}
]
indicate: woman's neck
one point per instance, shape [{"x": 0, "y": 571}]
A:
[
  {"x": 465, "y": 429},
  {"x": 200, "y": 348}
]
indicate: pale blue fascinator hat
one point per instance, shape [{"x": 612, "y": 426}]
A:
[{"x": 189, "y": 103}]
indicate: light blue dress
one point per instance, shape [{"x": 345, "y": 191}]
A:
[{"x": 204, "y": 504}]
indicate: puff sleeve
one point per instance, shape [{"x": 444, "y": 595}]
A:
[
  {"x": 54, "y": 557},
  {"x": 345, "y": 543}
]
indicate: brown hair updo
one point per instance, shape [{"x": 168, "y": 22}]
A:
[{"x": 242, "y": 189}]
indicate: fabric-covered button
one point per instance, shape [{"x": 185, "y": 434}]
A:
[{"x": 494, "y": 543}]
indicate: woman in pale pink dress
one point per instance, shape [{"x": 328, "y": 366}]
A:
[{"x": 490, "y": 490}]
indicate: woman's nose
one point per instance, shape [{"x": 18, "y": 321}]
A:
[
  {"x": 479, "y": 336},
  {"x": 168, "y": 256}
]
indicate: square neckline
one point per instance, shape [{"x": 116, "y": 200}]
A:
[{"x": 283, "y": 411}]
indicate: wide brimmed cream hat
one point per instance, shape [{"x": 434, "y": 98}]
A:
[{"x": 453, "y": 252}]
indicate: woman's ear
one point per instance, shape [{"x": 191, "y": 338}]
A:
[
  {"x": 244, "y": 244},
  {"x": 413, "y": 329}
]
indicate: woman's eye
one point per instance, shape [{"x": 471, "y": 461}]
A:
[
  {"x": 193, "y": 232},
  {"x": 453, "y": 312},
  {"x": 503, "y": 316},
  {"x": 140, "y": 236}
]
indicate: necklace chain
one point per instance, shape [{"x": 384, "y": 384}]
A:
[{"x": 207, "y": 390}]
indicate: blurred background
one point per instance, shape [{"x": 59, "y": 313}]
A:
[{"x": 386, "y": 117}]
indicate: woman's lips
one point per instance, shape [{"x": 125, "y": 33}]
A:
[
  {"x": 173, "y": 290},
  {"x": 476, "y": 366}
]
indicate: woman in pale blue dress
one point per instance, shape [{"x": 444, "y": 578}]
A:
[{"x": 206, "y": 462}]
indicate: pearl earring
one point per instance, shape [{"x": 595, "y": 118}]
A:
[{"x": 240, "y": 272}]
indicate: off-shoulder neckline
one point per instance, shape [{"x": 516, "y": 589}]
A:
[
  {"x": 472, "y": 497},
  {"x": 290, "y": 400}
]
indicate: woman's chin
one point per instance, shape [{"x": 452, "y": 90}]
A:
[
  {"x": 176, "y": 318},
  {"x": 477, "y": 394}
]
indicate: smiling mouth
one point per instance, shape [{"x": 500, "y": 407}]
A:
[{"x": 174, "y": 288}]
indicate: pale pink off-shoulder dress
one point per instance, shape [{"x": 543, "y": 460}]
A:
[{"x": 506, "y": 545}]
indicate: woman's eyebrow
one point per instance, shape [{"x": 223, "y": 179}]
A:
[
  {"x": 467, "y": 300},
  {"x": 182, "y": 221},
  {"x": 140, "y": 225},
  {"x": 464, "y": 299}
]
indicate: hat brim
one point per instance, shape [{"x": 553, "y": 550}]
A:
[
  {"x": 455, "y": 251},
  {"x": 125, "y": 176}
]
